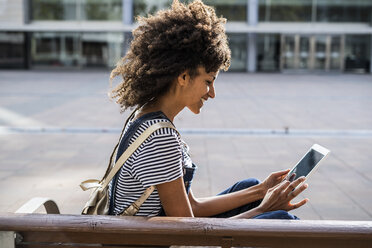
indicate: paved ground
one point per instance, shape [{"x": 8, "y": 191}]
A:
[{"x": 67, "y": 128}]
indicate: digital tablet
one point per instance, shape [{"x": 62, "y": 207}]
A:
[{"x": 309, "y": 162}]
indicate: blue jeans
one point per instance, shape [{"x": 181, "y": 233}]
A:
[{"x": 279, "y": 214}]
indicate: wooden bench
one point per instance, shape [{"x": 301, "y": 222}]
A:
[{"x": 57, "y": 230}]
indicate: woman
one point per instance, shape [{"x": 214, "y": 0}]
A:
[{"x": 172, "y": 63}]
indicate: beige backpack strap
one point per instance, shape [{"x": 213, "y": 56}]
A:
[
  {"x": 132, "y": 148},
  {"x": 135, "y": 206},
  {"x": 113, "y": 154}
]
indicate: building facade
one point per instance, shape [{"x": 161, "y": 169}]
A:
[{"x": 264, "y": 35}]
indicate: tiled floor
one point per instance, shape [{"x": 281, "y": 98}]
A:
[{"x": 52, "y": 164}]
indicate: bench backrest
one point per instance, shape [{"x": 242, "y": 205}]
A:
[{"x": 80, "y": 230}]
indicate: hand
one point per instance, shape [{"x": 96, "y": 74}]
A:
[
  {"x": 280, "y": 196},
  {"x": 273, "y": 179}
]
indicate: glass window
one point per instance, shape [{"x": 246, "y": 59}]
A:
[
  {"x": 101, "y": 49},
  {"x": 357, "y": 53},
  {"x": 232, "y": 10},
  {"x": 268, "y": 52},
  {"x": 53, "y": 10},
  {"x": 238, "y": 46},
  {"x": 55, "y": 49},
  {"x": 320, "y": 51},
  {"x": 289, "y": 52},
  {"x": 145, "y": 7},
  {"x": 285, "y": 10},
  {"x": 303, "y": 53},
  {"x": 110, "y": 10},
  {"x": 59, "y": 10},
  {"x": 49, "y": 49},
  {"x": 344, "y": 10},
  {"x": 12, "y": 54},
  {"x": 335, "y": 56}
]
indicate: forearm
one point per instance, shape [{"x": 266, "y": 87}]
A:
[
  {"x": 248, "y": 214},
  {"x": 214, "y": 205}
]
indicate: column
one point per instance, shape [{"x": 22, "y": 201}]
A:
[
  {"x": 252, "y": 53},
  {"x": 127, "y": 11},
  {"x": 252, "y": 10},
  {"x": 27, "y": 36},
  {"x": 370, "y": 55},
  {"x": 370, "y": 50},
  {"x": 26, "y": 11},
  {"x": 128, "y": 6}
]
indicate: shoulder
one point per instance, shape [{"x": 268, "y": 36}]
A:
[
  {"x": 159, "y": 158},
  {"x": 165, "y": 137},
  {"x": 161, "y": 132}
]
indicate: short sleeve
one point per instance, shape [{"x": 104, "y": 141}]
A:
[{"x": 159, "y": 159}]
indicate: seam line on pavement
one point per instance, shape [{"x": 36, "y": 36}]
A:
[{"x": 355, "y": 133}]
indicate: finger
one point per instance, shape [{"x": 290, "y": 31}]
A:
[
  {"x": 280, "y": 173},
  {"x": 294, "y": 184},
  {"x": 299, "y": 204},
  {"x": 281, "y": 186},
  {"x": 292, "y": 177},
  {"x": 298, "y": 190}
]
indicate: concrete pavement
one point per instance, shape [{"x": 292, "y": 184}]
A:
[{"x": 58, "y": 128}]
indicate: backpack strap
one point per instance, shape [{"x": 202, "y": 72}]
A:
[
  {"x": 132, "y": 148},
  {"x": 117, "y": 145}
]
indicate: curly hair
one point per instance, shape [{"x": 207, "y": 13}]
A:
[{"x": 165, "y": 45}]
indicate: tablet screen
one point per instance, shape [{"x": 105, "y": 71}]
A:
[{"x": 307, "y": 163}]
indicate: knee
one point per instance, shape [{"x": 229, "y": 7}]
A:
[
  {"x": 281, "y": 214},
  {"x": 244, "y": 184},
  {"x": 252, "y": 181},
  {"x": 248, "y": 183}
]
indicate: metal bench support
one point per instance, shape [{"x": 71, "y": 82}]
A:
[
  {"x": 32, "y": 205},
  {"x": 7, "y": 239}
]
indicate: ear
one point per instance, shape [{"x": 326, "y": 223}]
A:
[{"x": 183, "y": 79}]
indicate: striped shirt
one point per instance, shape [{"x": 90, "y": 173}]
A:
[{"x": 159, "y": 159}]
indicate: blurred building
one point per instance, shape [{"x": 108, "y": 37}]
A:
[{"x": 265, "y": 35}]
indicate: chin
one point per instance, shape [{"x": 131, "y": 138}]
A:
[{"x": 195, "y": 110}]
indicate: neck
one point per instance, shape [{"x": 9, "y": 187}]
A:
[{"x": 168, "y": 104}]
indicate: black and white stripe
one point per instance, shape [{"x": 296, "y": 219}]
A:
[{"x": 158, "y": 160}]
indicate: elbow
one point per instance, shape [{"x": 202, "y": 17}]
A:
[{"x": 196, "y": 207}]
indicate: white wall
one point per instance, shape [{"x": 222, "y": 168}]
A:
[{"x": 11, "y": 11}]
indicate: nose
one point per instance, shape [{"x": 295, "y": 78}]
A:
[{"x": 212, "y": 91}]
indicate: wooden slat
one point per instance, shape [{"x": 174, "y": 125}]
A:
[
  {"x": 72, "y": 245},
  {"x": 187, "y": 231},
  {"x": 139, "y": 239}
]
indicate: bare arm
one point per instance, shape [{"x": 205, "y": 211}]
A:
[
  {"x": 176, "y": 203},
  {"x": 219, "y": 204},
  {"x": 204, "y": 207},
  {"x": 278, "y": 197},
  {"x": 174, "y": 199}
]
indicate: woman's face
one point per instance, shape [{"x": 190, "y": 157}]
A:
[{"x": 200, "y": 89}]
